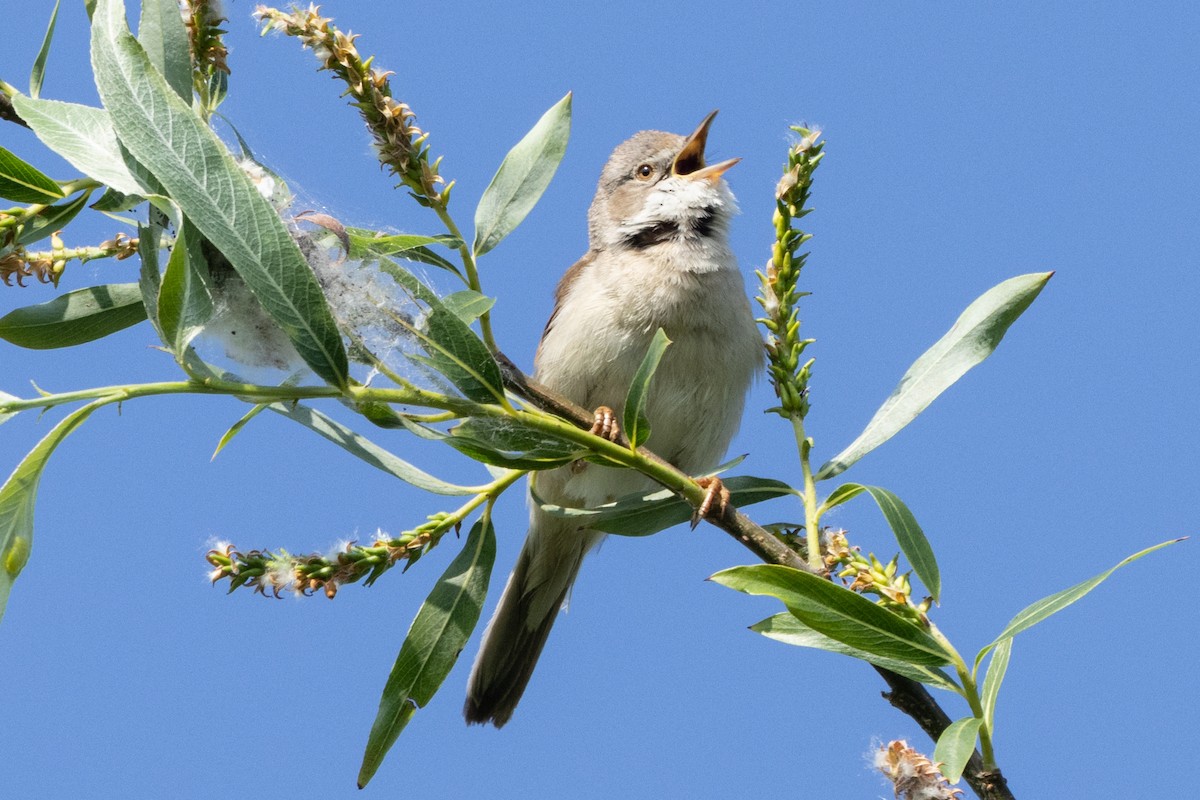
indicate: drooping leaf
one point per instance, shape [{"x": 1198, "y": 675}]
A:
[
  {"x": 185, "y": 302},
  {"x": 453, "y": 348},
  {"x": 24, "y": 183},
  {"x": 904, "y": 525},
  {"x": 509, "y": 444},
  {"x": 637, "y": 424},
  {"x": 438, "y": 634},
  {"x": 991, "y": 683},
  {"x": 38, "y": 73},
  {"x": 149, "y": 277},
  {"x": 237, "y": 427},
  {"x": 114, "y": 201},
  {"x": 644, "y": 513},
  {"x": 84, "y": 136},
  {"x": 163, "y": 133},
  {"x": 974, "y": 336},
  {"x": 363, "y": 448},
  {"x": 523, "y": 176},
  {"x": 162, "y": 34},
  {"x": 787, "y": 628},
  {"x": 18, "y": 496},
  {"x": 838, "y": 613},
  {"x": 83, "y": 315},
  {"x": 955, "y": 746},
  {"x": 1048, "y": 606},
  {"x": 52, "y": 219}
]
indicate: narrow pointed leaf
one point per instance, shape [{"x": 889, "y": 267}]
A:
[
  {"x": 23, "y": 183},
  {"x": 366, "y": 245},
  {"x": 955, "y": 746},
  {"x": 84, "y": 136},
  {"x": 1047, "y": 606},
  {"x": 838, "y": 613},
  {"x": 974, "y": 336},
  {"x": 185, "y": 301},
  {"x": 991, "y": 683},
  {"x": 162, "y": 34},
  {"x": 789, "y": 629},
  {"x": 237, "y": 427},
  {"x": 149, "y": 276},
  {"x": 52, "y": 219},
  {"x": 523, "y": 176},
  {"x": 904, "y": 525},
  {"x": 18, "y": 496},
  {"x": 438, "y": 634},
  {"x": 76, "y": 317},
  {"x": 162, "y": 132},
  {"x": 637, "y": 424},
  {"x": 644, "y": 513},
  {"x": 454, "y": 349},
  {"x": 363, "y": 448},
  {"x": 38, "y": 73}
]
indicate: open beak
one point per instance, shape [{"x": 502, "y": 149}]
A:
[{"x": 690, "y": 161}]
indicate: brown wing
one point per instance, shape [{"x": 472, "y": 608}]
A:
[{"x": 560, "y": 292}]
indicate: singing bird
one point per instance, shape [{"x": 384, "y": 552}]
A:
[{"x": 658, "y": 257}]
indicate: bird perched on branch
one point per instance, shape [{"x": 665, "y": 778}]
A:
[{"x": 658, "y": 257}]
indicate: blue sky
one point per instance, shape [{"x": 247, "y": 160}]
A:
[{"x": 964, "y": 146}]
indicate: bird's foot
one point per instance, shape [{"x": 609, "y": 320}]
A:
[
  {"x": 605, "y": 424},
  {"x": 716, "y": 498}
]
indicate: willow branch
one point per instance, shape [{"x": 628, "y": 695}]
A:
[{"x": 907, "y": 695}]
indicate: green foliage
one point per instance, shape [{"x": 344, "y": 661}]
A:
[
  {"x": 436, "y": 637},
  {"x": 23, "y": 183},
  {"x": 523, "y": 176},
  {"x": 637, "y": 424},
  {"x": 74, "y": 318}
]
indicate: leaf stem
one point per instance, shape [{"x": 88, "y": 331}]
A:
[{"x": 472, "y": 270}]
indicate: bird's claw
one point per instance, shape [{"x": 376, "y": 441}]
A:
[
  {"x": 716, "y": 498},
  {"x": 605, "y": 424}
]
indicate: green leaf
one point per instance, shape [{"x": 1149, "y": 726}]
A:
[
  {"x": 1047, "y": 606},
  {"x": 468, "y": 305},
  {"x": 454, "y": 349},
  {"x": 644, "y": 513},
  {"x": 18, "y": 496},
  {"x": 236, "y": 427},
  {"x": 523, "y": 176},
  {"x": 368, "y": 245},
  {"x": 163, "y": 133},
  {"x": 904, "y": 525},
  {"x": 22, "y": 183},
  {"x": 185, "y": 301},
  {"x": 955, "y": 746},
  {"x": 637, "y": 424},
  {"x": 115, "y": 201},
  {"x": 974, "y": 336},
  {"x": 363, "y": 448},
  {"x": 84, "y": 136},
  {"x": 52, "y": 219},
  {"x": 991, "y": 683},
  {"x": 510, "y": 444},
  {"x": 838, "y": 613},
  {"x": 787, "y": 628},
  {"x": 162, "y": 34},
  {"x": 38, "y": 73},
  {"x": 75, "y": 317},
  {"x": 438, "y": 634},
  {"x": 149, "y": 277}
]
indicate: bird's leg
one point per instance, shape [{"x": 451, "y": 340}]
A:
[
  {"x": 716, "y": 498},
  {"x": 605, "y": 424}
]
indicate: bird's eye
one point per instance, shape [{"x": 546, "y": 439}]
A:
[{"x": 645, "y": 171}]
